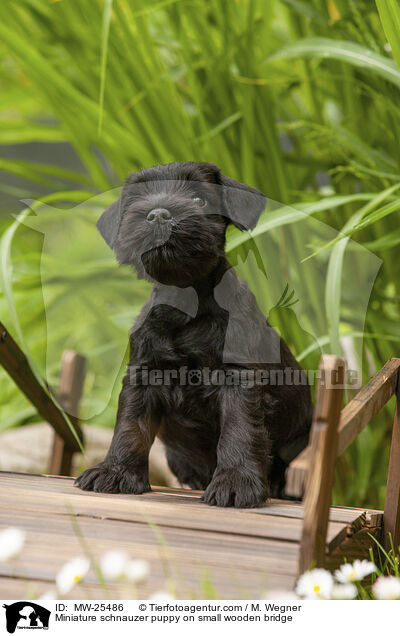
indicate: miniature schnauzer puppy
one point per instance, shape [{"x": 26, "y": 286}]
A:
[{"x": 197, "y": 346}]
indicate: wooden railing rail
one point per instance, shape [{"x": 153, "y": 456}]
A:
[{"x": 353, "y": 419}]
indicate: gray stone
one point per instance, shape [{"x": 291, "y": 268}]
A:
[{"x": 27, "y": 450}]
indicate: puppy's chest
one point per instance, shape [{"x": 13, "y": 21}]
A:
[
  {"x": 181, "y": 339},
  {"x": 201, "y": 340}
]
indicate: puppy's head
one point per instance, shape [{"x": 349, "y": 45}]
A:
[{"x": 170, "y": 220}]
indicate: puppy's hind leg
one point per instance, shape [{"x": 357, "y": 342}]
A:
[
  {"x": 195, "y": 474},
  {"x": 126, "y": 466}
]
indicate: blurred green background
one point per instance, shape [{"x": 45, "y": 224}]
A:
[{"x": 299, "y": 98}]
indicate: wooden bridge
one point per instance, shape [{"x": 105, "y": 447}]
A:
[
  {"x": 243, "y": 553},
  {"x": 193, "y": 549}
]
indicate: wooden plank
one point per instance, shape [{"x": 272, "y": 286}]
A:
[
  {"x": 53, "y": 545},
  {"x": 280, "y": 508},
  {"x": 17, "y": 366},
  {"x": 323, "y": 444},
  {"x": 51, "y": 541},
  {"x": 61, "y": 482},
  {"x": 353, "y": 419},
  {"x": 20, "y": 587},
  {"x": 391, "y": 517},
  {"x": 228, "y": 588},
  {"x": 164, "y": 512},
  {"x": 69, "y": 394},
  {"x": 137, "y": 510},
  {"x": 108, "y": 506},
  {"x": 160, "y": 494}
]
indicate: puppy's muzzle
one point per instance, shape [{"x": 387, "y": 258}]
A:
[{"x": 159, "y": 216}]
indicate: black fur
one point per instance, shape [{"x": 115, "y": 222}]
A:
[{"x": 231, "y": 440}]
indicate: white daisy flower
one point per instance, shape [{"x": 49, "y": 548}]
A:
[
  {"x": 11, "y": 543},
  {"x": 315, "y": 584},
  {"x": 344, "y": 591},
  {"x": 356, "y": 571},
  {"x": 137, "y": 570},
  {"x": 72, "y": 573},
  {"x": 387, "y": 588},
  {"x": 113, "y": 564}
]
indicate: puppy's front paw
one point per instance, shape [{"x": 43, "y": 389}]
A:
[
  {"x": 236, "y": 488},
  {"x": 112, "y": 478}
]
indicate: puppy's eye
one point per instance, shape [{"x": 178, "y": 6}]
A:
[{"x": 199, "y": 201}]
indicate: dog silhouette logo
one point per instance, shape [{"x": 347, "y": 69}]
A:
[{"x": 26, "y": 615}]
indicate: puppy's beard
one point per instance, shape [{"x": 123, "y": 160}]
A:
[
  {"x": 162, "y": 265},
  {"x": 161, "y": 234},
  {"x": 166, "y": 264},
  {"x": 154, "y": 237}
]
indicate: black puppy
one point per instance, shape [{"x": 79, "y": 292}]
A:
[{"x": 207, "y": 373}]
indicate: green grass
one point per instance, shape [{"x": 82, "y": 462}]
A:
[{"x": 279, "y": 94}]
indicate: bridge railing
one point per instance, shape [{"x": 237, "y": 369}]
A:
[{"x": 311, "y": 473}]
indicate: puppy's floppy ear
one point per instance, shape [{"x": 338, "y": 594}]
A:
[
  {"x": 242, "y": 203},
  {"x": 109, "y": 222}
]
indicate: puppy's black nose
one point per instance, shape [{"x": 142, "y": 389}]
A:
[{"x": 158, "y": 215}]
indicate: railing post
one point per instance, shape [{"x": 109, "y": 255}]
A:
[
  {"x": 323, "y": 452},
  {"x": 69, "y": 394},
  {"x": 391, "y": 515}
]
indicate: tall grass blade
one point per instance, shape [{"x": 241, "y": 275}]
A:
[
  {"x": 107, "y": 10},
  {"x": 344, "y": 51},
  {"x": 389, "y": 13}
]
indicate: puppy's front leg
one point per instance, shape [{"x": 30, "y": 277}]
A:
[
  {"x": 241, "y": 476},
  {"x": 126, "y": 467}
]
